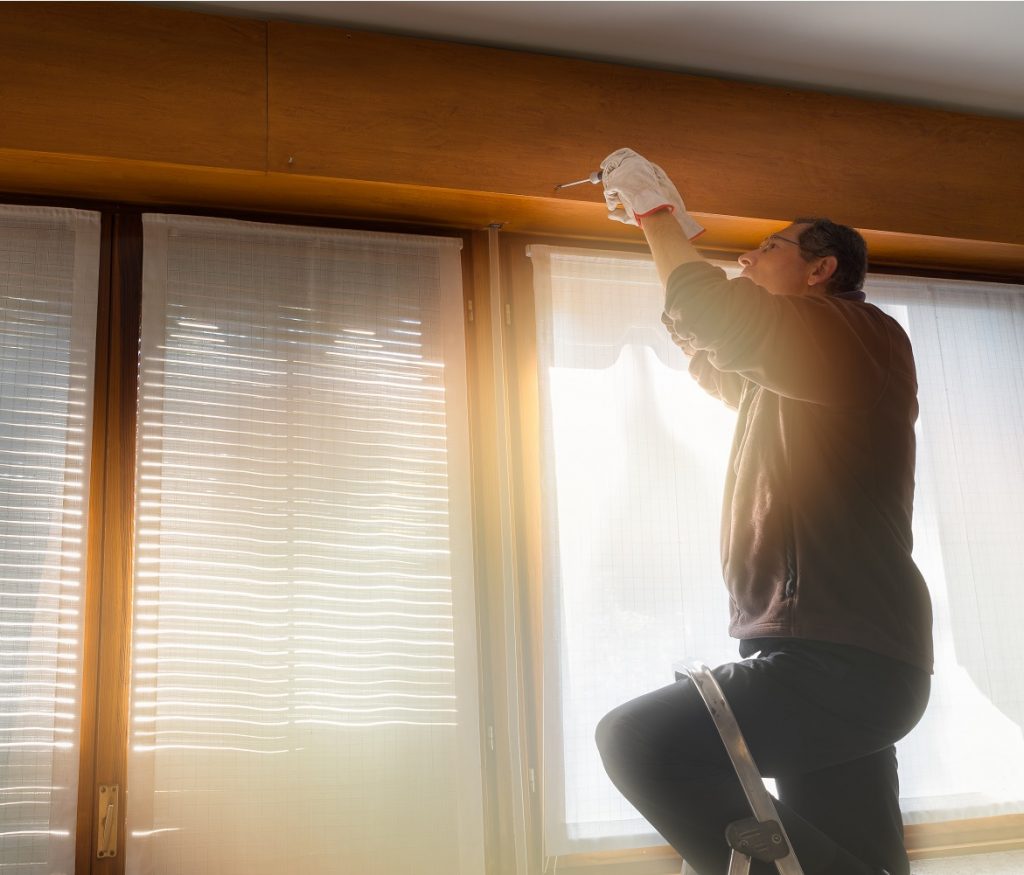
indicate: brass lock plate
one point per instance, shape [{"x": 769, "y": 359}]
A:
[{"x": 106, "y": 821}]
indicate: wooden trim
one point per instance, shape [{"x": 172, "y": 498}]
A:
[
  {"x": 111, "y": 541},
  {"x": 236, "y": 114},
  {"x": 503, "y": 781},
  {"x": 957, "y": 837},
  {"x": 85, "y": 824},
  {"x": 925, "y": 841},
  {"x": 126, "y": 80},
  {"x": 180, "y": 188},
  {"x": 477, "y": 398},
  {"x": 525, "y": 425},
  {"x": 443, "y": 115},
  {"x": 521, "y": 370}
]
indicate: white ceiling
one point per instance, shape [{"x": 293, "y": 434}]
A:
[{"x": 964, "y": 56}]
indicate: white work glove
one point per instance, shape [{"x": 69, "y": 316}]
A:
[{"x": 641, "y": 188}]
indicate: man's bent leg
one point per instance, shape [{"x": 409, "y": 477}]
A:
[
  {"x": 801, "y": 708},
  {"x": 664, "y": 754}
]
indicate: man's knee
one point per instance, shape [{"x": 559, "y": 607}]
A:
[
  {"x": 614, "y": 741},
  {"x": 629, "y": 746},
  {"x": 643, "y": 740}
]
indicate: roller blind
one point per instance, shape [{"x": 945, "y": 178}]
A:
[
  {"x": 49, "y": 272},
  {"x": 304, "y": 693}
]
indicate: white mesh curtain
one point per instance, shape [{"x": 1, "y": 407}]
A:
[
  {"x": 633, "y": 464},
  {"x": 966, "y": 758},
  {"x": 49, "y": 275},
  {"x": 304, "y": 695}
]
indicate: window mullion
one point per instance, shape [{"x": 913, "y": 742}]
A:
[{"x": 109, "y": 575}]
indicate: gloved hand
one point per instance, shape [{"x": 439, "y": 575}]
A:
[{"x": 642, "y": 188}]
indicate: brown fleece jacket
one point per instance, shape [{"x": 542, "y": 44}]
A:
[{"x": 816, "y": 518}]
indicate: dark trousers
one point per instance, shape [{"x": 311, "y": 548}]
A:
[{"x": 821, "y": 719}]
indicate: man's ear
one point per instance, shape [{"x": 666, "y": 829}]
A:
[{"x": 823, "y": 271}]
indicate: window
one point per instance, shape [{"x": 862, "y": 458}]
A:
[
  {"x": 633, "y": 456},
  {"x": 304, "y": 683},
  {"x": 304, "y": 654},
  {"x": 49, "y": 272}
]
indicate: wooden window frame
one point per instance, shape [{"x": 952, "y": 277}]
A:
[{"x": 923, "y": 841}]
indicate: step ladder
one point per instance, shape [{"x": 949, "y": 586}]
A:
[{"x": 762, "y": 836}]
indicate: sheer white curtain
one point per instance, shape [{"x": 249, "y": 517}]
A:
[
  {"x": 966, "y": 759},
  {"x": 304, "y": 694},
  {"x": 49, "y": 276},
  {"x": 633, "y": 463}
]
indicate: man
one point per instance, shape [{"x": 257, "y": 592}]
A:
[{"x": 833, "y": 616}]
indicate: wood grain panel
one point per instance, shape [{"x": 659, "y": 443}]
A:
[
  {"x": 365, "y": 106},
  {"x": 175, "y": 186},
  {"x": 127, "y": 80}
]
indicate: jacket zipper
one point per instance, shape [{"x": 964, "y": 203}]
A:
[{"x": 789, "y": 589}]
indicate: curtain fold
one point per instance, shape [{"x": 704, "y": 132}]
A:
[
  {"x": 49, "y": 278},
  {"x": 633, "y": 456},
  {"x": 304, "y": 694}
]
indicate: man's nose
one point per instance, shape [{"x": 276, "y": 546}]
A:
[{"x": 747, "y": 258}]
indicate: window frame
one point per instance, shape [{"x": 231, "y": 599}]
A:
[{"x": 923, "y": 841}]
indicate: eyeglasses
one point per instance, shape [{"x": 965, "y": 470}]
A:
[{"x": 766, "y": 244}]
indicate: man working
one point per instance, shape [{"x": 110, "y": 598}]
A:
[{"x": 833, "y": 616}]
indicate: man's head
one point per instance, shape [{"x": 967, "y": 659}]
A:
[{"x": 810, "y": 257}]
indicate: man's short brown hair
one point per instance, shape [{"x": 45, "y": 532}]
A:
[{"x": 824, "y": 237}]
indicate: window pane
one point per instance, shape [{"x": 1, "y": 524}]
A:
[
  {"x": 632, "y": 579},
  {"x": 625, "y": 596},
  {"x": 304, "y": 688},
  {"x": 49, "y": 273}
]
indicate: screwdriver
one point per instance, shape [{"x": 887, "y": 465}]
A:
[{"x": 593, "y": 179}]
